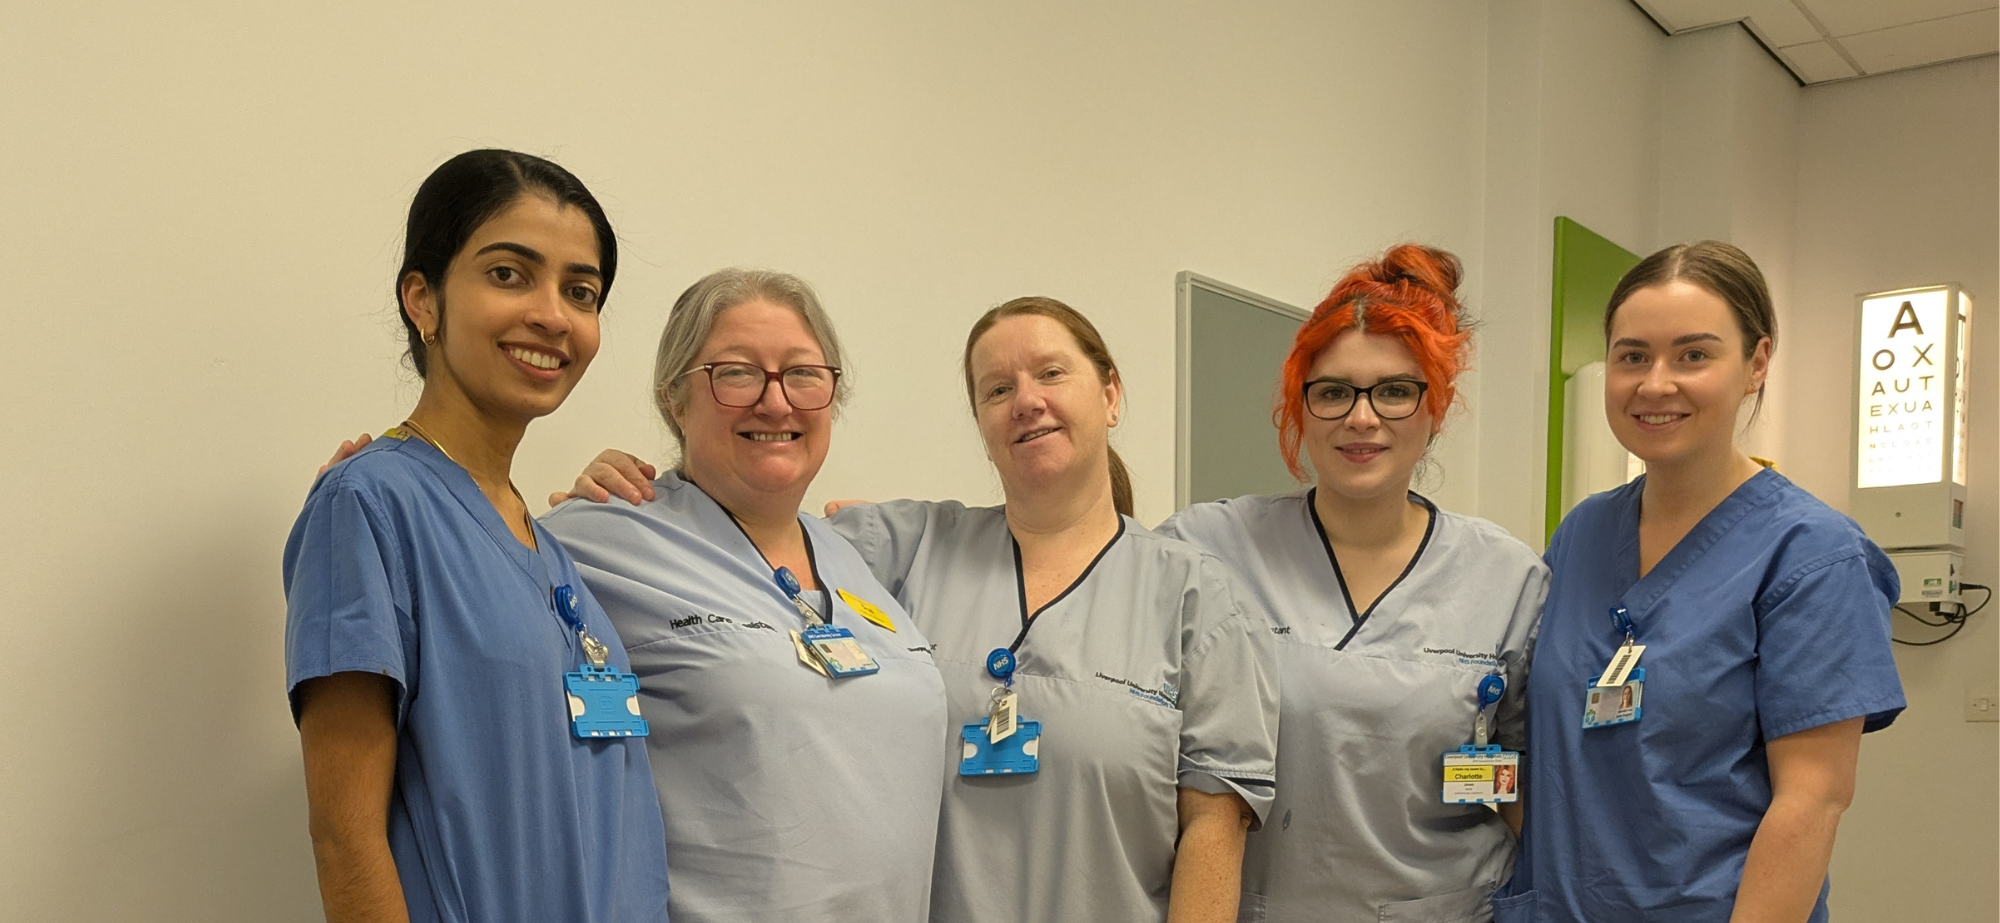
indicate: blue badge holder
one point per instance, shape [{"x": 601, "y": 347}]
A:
[
  {"x": 1017, "y": 755},
  {"x": 1611, "y": 715},
  {"x": 603, "y": 703},
  {"x": 838, "y": 650}
]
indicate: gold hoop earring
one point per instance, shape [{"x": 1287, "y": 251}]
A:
[{"x": 430, "y": 339}]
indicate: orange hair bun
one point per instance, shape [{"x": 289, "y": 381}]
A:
[{"x": 1411, "y": 293}]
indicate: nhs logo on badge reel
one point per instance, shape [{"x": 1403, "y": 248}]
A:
[
  {"x": 1604, "y": 706},
  {"x": 604, "y": 702},
  {"x": 1015, "y": 754}
]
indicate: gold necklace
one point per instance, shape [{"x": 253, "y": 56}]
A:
[{"x": 431, "y": 441}]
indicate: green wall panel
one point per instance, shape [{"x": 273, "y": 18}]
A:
[{"x": 1587, "y": 269}]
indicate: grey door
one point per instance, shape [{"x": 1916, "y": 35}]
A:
[{"x": 1231, "y": 344}]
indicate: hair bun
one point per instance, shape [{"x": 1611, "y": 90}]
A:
[{"x": 1425, "y": 267}]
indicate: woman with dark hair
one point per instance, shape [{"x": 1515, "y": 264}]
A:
[
  {"x": 463, "y": 703},
  {"x": 1402, "y": 629},
  {"x": 1111, "y": 697},
  {"x": 1716, "y": 640}
]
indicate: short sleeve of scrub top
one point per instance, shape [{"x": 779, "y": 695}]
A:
[
  {"x": 787, "y": 795},
  {"x": 400, "y": 567},
  {"x": 1769, "y": 618},
  {"x": 1152, "y": 673},
  {"x": 1371, "y": 701}
]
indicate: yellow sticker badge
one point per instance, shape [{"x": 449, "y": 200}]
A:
[{"x": 867, "y": 610}]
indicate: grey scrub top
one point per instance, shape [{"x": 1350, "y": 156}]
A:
[
  {"x": 1150, "y": 674},
  {"x": 786, "y": 795},
  {"x": 1372, "y": 701}
]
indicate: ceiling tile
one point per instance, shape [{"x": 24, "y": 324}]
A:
[
  {"x": 1816, "y": 62},
  {"x": 1777, "y": 22},
  {"x": 1847, "y": 17},
  {"x": 1925, "y": 42}
]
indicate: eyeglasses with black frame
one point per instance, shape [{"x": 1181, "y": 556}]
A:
[
  {"x": 740, "y": 384},
  {"x": 1391, "y": 398}
]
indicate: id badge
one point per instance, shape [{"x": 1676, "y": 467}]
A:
[
  {"x": 1604, "y": 706},
  {"x": 837, "y": 649},
  {"x": 604, "y": 702},
  {"x": 1016, "y": 754},
  {"x": 1481, "y": 775}
]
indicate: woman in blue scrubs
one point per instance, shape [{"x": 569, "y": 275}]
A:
[
  {"x": 1390, "y": 617},
  {"x": 1715, "y": 642},
  {"x": 443, "y": 656}
]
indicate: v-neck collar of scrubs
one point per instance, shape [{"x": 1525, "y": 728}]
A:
[
  {"x": 1361, "y": 618},
  {"x": 1718, "y": 522},
  {"x": 465, "y": 490},
  {"x": 756, "y": 554},
  {"x": 1021, "y": 582}
]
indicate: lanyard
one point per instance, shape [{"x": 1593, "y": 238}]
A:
[{"x": 788, "y": 582}]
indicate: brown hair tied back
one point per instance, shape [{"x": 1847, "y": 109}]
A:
[{"x": 1087, "y": 339}]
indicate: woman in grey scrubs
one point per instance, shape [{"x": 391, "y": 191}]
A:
[
  {"x": 1139, "y": 682},
  {"x": 1392, "y": 618},
  {"x": 797, "y": 782}
]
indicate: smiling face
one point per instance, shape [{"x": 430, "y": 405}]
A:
[
  {"x": 1676, "y": 373},
  {"x": 770, "y": 447},
  {"x": 519, "y": 311},
  {"x": 1362, "y": 456},
  {"x": 1043, "y": 410}
]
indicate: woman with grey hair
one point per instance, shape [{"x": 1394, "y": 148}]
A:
[{"x": 795, "y": 709}]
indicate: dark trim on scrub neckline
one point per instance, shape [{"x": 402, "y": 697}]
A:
[
  {"x": 1430, "y": 528},
  {"x": 812, "y": 559},
  {"x": 1021, "y": 583}
]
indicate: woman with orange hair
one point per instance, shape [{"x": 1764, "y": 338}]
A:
[{"x": 1403, "y": 631}]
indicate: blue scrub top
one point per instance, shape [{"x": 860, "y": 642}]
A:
[
  {"x": 400, "y": 566},
  {"x": 1769, "y": 618}
]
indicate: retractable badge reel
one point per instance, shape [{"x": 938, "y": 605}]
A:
[
  {"x": 1001, "y": 744},
  {"x": 603, "y": 700},
  {"x": 1618, "y": 695},
  {"x": 829, "y": 650},
  {"x": 1479, "y": 772}
]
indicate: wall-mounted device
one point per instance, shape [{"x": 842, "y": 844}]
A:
[
  {"x": 1910, "y": 445},
  {"x": 1910, "y": 417}
]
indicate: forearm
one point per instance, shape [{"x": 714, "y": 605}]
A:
[
  {"x": 348, "y": 732},
  {"x": 1208, "y": 864},
  {"x": 357, "y": 879},
  {"x": 1512, "y": 812},
  {"x": 1787, "y": 861}
]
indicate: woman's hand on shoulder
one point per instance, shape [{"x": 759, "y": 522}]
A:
[
  {"x": 346, "y": 451},
  {"x": 835, "y": 506},
  {"x": 611, "y": 473}
]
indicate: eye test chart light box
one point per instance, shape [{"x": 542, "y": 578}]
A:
[{"x": 1910, "y": 418}]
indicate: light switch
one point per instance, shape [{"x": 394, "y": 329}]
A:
[{"x": 1982, "y": 704}]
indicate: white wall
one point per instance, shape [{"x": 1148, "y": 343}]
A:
[
  {"x": 1573, "y": 102},
  {"x": 203, "y": 207},
  {"x": 203, "y": 211},
  {"x": 1897, "y": 183}
]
